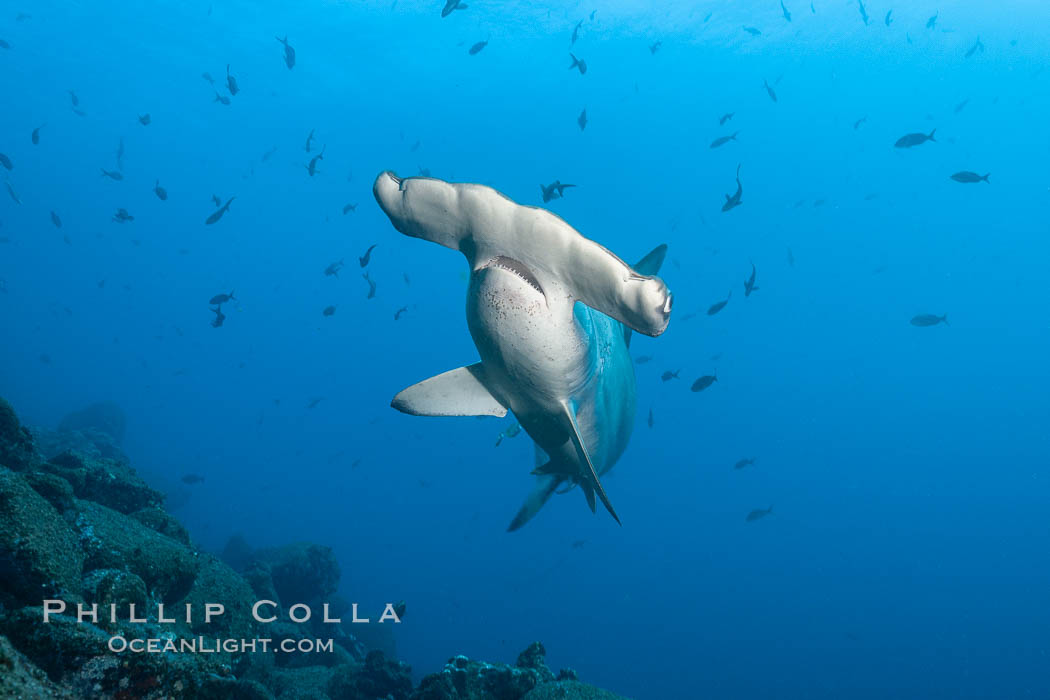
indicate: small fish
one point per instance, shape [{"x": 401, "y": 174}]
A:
[
  {"x": 746, "y": 462},
  {"x": 725, "y": 117},
  {"x": 309, "y": 140},
  {"x": 192, "y": 479},
  {"x": 266, "y": 156},
  {"x": 207, "y": 76},
  {"x": 719, "y": 305},
  {"x": 651, "y": 418},
  {"x": 787, "y": 15},
  {"x": 55, "y": 220},
  {"x": 758, "y": 514},
  {"x": 863, "y": 12},
  {"x": 510, "y": 432},
  {"x": 753, "y": 31},
  {"x": 917, "y": 139},
  {"x": 11, "y": 191},
  {"x": 289, "y": 52},
  {"x": 218, "y": 213},
  {"x": 162, "y": 194},
  {"x": 219, "y": 319},
  {"x": 79, "y": 112},
  {"x": 112, "y": 174},
  {"x": 314, "y": 401},
  {"x": 927, "y": 320},
  {"x": 582, "y": 119},
  {"x": 579, "y": 64},
  {"x": 371, "y": 286},
  {"x": 962, "y": 105},
  {"x": 451, "y": 6},
  {"x": 219, "y": 299},
  {"x": 703, "y": 382},
  {"x": 312, "y": 167},
  {"x": 349, "y": 208},
  {"x": 6, "y": 162},
  {"x": 555, "y": 190},
  {"x": 222, "y": 98},
  {"x": 733, "y": 201},
  {"x": 643, "y": 359},
  {"x": 476, "y": 48},
  {"x": 655, "y": 46},
  {"x": 723, "y": 140},
  {"x": 73, "y": 98},
  {"x": 333, "y": 269},
  {"x": 215, "y": 199},
  {"x": 122, "y": 216},
  {"x": 978, "y": 46},
  {"x": 856, "y": 124},
  {"x": 364, "y": 259},
  {"x": 397, "y": 314},
  {"x": 35, "y": 137},
  {"x": 749, "y": 284},
  {"x": 769, "y": 90},
  {"x": 967, "y": 177},
  {"x": 231, "y": 82},
  {"x": 145, "y": 119},
  {"x": 576, "y": 32},
  {"x": 328, "y": 311},
  {"x": 669, "y": 375},
  {"x": 932, "y": 21},
  {"x": 889, "y": 18}
]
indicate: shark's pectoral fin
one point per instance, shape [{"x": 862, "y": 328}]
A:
[
  {"x": 458, "y": 392},
  {"x": 591, "y": 485}
]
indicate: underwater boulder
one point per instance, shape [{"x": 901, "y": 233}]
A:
[
  {"x": 112, "y": 540},
  {"x": 114, "y": 586},
  {"x": 60, "y": 647},
  {"x": 160, "y": 521},
  {"x": 111, "y": 483},
  {"x": 20, "y": 678},
  {"x": 104, "y": 416},
  {"x": 377, "y": 677},
  {"x": 17, "y": 449},
  {"x": 56, "y": 490},
  {"x": 302, "y": 572},
  {"x": 304, "y": 683},
  {"x": 570, "y": 690},
  {"x": 39, "y": 556},
  {"x": 217, "y": 583},
  {"x": 91, "y": 442}
]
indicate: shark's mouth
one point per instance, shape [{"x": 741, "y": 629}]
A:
[{"x": 515, "y": 267}]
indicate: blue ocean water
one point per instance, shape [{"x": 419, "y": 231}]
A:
[{"x": 906, "y": 467}]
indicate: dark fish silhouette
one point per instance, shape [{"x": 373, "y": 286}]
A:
[
  {"x": 856, "y": 124},
  {"x": 451, "y": 6},
  {"x": 55, "y": 220},
  {"x": 967, "y": 177},
  {"x": 221, "y": 98},
  {"x": 927, "y": 320},
  {"x": 576, "y": 31},
  {"x": 719, "y": 305},
  {"x": 787, "y": 15},
  {"x": 35, "y": 137},
  {"x": 476, "y": 48},
  {"x": 769, "y": 90},
  {"x": 328, "y": 311},
  {"x": 669, "y": 375},
  {"x": 6, "y": 162},
  {"x": 397, "y": 314},
  {"x": 555, "y": 190},
  {"x": 219, "y": 319},
  {"x": 734, "y": 201},
  {"x": 579, "y": 64},
  {"x": 289, "y": 52},
  {"x": 962, "y": 105},
  {"x": 749, "y": 284},
  {"x": 746, "y": 462},
  {"x": 582, "y": 119},
  {"x": 112, "y": 174},
  {"x": 219, "y": 299},
  {"x": 932, "y": 21},
  {"x": 978, "y": 46},
  {"x": 215, "y": 198},
  {"x": 312, "y": 167},
  {"x": 333, "y": 269},
  {"x": 192, "y": 479},
  {"x": 218, "y": 214},
  {"x": 888, "y": 19},
  {"x": 643, "y": 359},
  {"x": 349, "y": 208},
  {"x": 758, "y": 514},
  {"x": 207, "y": 76},
  {"x": 703, "y": 382},
  {"x": 162, "y": 194},
  {"x": 371, "y": 286},
  {"x": 725, "y": 117},
  {"x": 122, "y": 216},
  {"x": 11, "y": 192},
  {"x": 73, "y": 98},
  {"x": 655, "y": 46},
  {"x": 145, "y": 119},
  {"x": 723, "y": 140},
  {"x": 863, "y": 12},
  {"x": 231, "y": 82},
  {"x": 753, "y": 31},
  {"x": 309, "y": 140},
  {"x": 910, "y": 140},
  {"x": 364, "y": 259}
]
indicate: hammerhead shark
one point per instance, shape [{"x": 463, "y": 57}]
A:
[{"x": 551, "y": 315}]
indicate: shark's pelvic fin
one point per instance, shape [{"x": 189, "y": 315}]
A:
[
  {"x": 458, "y": 392},
  {"x": 543, "y": 491},
  {"x": 649, "y": 266},
  {"x": 594, "y": 485}
]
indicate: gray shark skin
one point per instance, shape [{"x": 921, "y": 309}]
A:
[{"x": 550, "y": 313}]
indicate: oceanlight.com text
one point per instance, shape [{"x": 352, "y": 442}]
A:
[{"x": 211, "y": 645}]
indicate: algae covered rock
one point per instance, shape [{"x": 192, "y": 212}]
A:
[
  {"x": 55, "y": 489},
  {"x": 570, "y": 690},
  {"x": 112, "y": 540},
  {"x": 19, "y": 678},
  {"x": 17, "y": 451},
  {"x": 59, "y": 647},
  {"x": 163, "y": 522},
  {"x": 378, "y": 677},
  {"x": 112, "y": 483},
  {"x": 39, "y": 555},
  {"x": 115, "y": 586},
  {"x": 217, "y": 583},
  {"x": 301, "y": 572}
]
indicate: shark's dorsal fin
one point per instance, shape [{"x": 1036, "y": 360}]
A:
[
  {"x": 649, "y": 266},
  {"x": 593, "y": 484},
  {"x": 458, "y": 392}
]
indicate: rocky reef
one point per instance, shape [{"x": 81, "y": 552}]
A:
[{"x": 78, "y": 524}]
